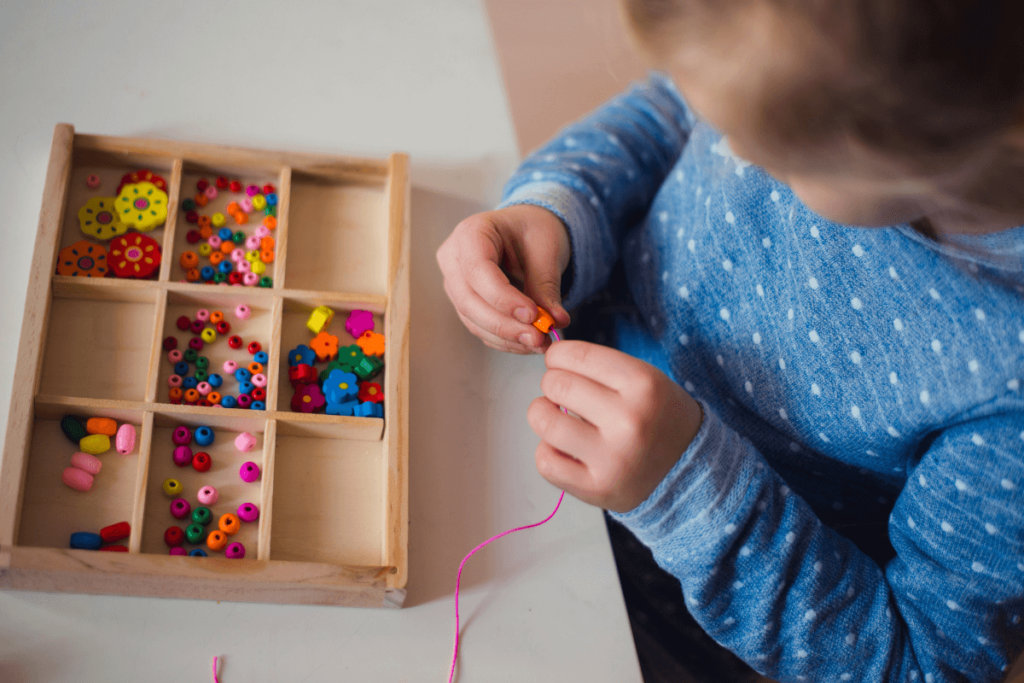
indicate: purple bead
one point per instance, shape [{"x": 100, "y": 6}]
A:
[
  {"x": 250, "y": 472},
  {"x": 180, "y": 508},
  {"x": 247, "y": 512},
  {"x": 244, "y": 400},
  {"x": 178, "y": 551},
  {"x": 182, "y": 456},
  {"x": 182, "y": 436},
  {"x": 234, "y": 551},
  {"x": 197, "y": 326},
  {"x": 195, "y": 343}
]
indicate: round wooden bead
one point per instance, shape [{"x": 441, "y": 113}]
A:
[
  {"x": 223, "y": 327},
  {"x": 214, "y": 398},
  {"x": 259, "y": 379},
  {"x": 73, "y": 429},
  {"x": 202, "y": 515},
  {"x": 116, "y": 532},
  {"x": 259, "y": 267},
  {"x": 222, "y": 183},
  {"x": 259, "y": 202},
  {"x": 252, "y": 190},
  {"x": 193, "y": 236},
  {"x": 247, "y": 512},
  {"x": 206, "y": 273},
  {"x": 252, "y": 244},
  {"x": 196, "y": 326},
  {"x": 95, "y": 444},
  {"x": 254, "y": 368},
  {"x": 255, "y": 347},
  {"x": 195, "y": 533},
  {"x": 203, "y": 314},
  {"x": 250, "y": 279},
  {"x": 101, "y": 425},
  {"x": 85, "y": 540},
  {"x": 245, "y": 442},
  {"x": 216, "y": 540},
  {"x": 210, "y": 192},
  {"x": 243, "y": 375},
  {"x": 261, "y": 357},
  {"x": 244, "y": 400},
  {"x": 242, "y": 311},
  {"x": 170, "y": 343},
  {"x": 197, "y": 552},
  {"x": 262, "y": 231},
  {"x": 184, "y": 323},
  {"x": 77, "y": 479},
  {"x": 180, "y": 508},
  {"x": 196, "y": 343},
  {"x": 202, "y": 462},
  {"x": 243, "y": 267},
  {"x": 204, "y": 436},
  {"x": 124, "y": 442},
  {"x": 92, "y": 180},
  {"x": 230, "y": 367},
  {"x": 235, "y": 279},
  {"x": 208, "y": 495},
  {"x": 215, "y": 380},
  {"x": 202, "y": 362},
  {"x": 229, "y": 524},
  {"x": 209, "y": 335},
  {"x": 235, "y": 551},
  {"x": 87, "y": 463},
  {"x": 237, "y": 256},
  {"x": 174, "y": 536},
  {"x": 182, "y": 436},
  {"x": 174, "y": 381},
  {"x": 249, "y": 472},
  {"x": 172, "y": 488},
  {"x": 175, "y": 395},
  {"x": 182, "y": 455},
  {"x": 235, "y": 342},
  {"x": 114, "y": 549},
  {"x": 258, "y": 393},
  {"x": 178, "y": 550},
  {"x": 203, "y": 387},
  {"x": 191, "y": 395},
  {"x": 228, "y": 401},
  {"x": 175, "y": 356}
]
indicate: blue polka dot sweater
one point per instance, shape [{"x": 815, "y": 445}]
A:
[{"x": 854, "y": 381}]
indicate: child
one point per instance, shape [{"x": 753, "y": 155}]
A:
[{"x": 818, "y": 230}]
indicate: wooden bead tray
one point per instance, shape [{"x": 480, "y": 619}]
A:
[{"x": 333, "y": 496}]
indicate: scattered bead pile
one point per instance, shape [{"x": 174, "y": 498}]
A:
[
  {"x": 92, "y": 438},
  {"x": 203, "y": 387},
  {"x": 108, "y": 535},
  {"x": 343, "y": 387},
  {"x": 235, "y": 258}
]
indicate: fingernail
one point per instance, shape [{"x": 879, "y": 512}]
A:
[
  {"x": 524, "y": 315},
  {"x": 526, "y": 339}
]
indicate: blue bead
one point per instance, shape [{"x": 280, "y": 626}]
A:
[
  {"x": 225, "y": 234},
  {"x": 246, "y": 387},
  {"x": 369, "y": 410},
  {"x": 257, "y": 405},
  {"x": 229, "y": 402},
  {"x": 181, "y": 368},
  {"x": 215, "y": 380},
  {"x": 85, "y": 540},
  {"x": 261, "y": 357},
  {"x": 225, "y": 267},
  {"x": 189, "y": 383},
  {"x": 207, "y": 273},
  {"x": 341, "y": 408},
  {"x": 204, "y": 436},
  {"x": 197, "y": 552},
  {"x": 272, "y": 199},
  {"x": 243, "y": 375}
]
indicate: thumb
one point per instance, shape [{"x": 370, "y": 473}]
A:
[{"x": 544, "y": 285}]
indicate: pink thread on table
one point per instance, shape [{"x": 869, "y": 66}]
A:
[
  {"x": 458, "y": 580},
  {"x": 215, "y": 671}
]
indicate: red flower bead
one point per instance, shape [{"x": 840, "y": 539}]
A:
[
  {"x": 201, "y": 461},
  {"x": 223, "y": 327},
  {"x": 174, "y": 536},
  {"x": 222, "y": 183},
  {"x": 254, "y": 347},
  {"x": 184, "y": 323},
  {"x": 268, "y": 189},
  {"x": 370, "y": 392},
  {"x": 192, "y": 217},
  {"x": 235, "y": 186},
  {"x": 170, "y": 343},
  {"x": 202, "y": 184},
  {"x": 193, "y": 236},
  {"x": 235, "y": 342},
  {"x": 134, "y": 255}
]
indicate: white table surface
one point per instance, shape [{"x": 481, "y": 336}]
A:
[{"x": 360, "y": 77}]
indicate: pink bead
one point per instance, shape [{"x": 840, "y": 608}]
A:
[
  {"x": 250, "y": 472},
  {"x": 247, "y": 512},
  {"x": 244, "y": 401},
  {"x": 86, "y": 463},
  {"x": 358, "y": 322},
  {"x": 174, "y": 381},
  {"x": 92, "y": 180},
  {"x": 230, "y": 367},
  {"x": 124, "y": 441},
  {"x": 174, "y": 356},
  {"x": 252, "y": 242},
  {"x": 181, "y": 436},
  {"x": 80, "y": 480},
  {"x": 262, "y": 231},
  {"x": 234, "y": 551},
  {"x": 180, "y": 508},
  {"x": 178, "y": 551},
  {"x": 259, "y": 380},
  {"x": 182, "y": 456},
  {"x": 250, "y": 279},
  {"x": 208, "y": 495},
  {"x": 245, "y": 205},
  {"x": 238, "y": 255},
  {"x": 204, "y": 388},
  {"x": 242, "y": 312},
  {"x": 252, "y": 190},
  {"x": 214, "y": 242},
  {"x": 210, "y": 191},
  {"x": 242, "y": 266},
  {"x": 203, "y": 314},
  {"x": 245, "y": 442}
]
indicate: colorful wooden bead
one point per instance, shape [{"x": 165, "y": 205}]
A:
[
  {"x": 216, "y": 540},
  {"x": 170, "y": 343},
  {"x": 241, "y": 217},
  {"x": 184, "y": 323},
  {"x": 371, "y": 392},
  {"x": 210, "y": 192},
  {"x": 191, "y": 395},
  {"x": 302, "y": 374},
  {"x": 544, "y": 321},
  {"x": 368, "y": 410},
  {"x": 325, "y": 346},
  {"x": 208, "y": 495},
  {"x": 87, "y": 463},
  {"x": 270, "y": 222},
  {"x": 245, "y": 386},
  {"x": 222, "y": 183},
  {"x": 101, "y": 425},
  {"x": 341, "y": 386},
  {"x": 175, "y": 356},
  {"x": 204, "y": 436},
  {"x": 182, "y": 456},
  {"x": 175, "y": 395},
  {"x": 142, "y": 175},
  {"x": 247, "y": 512},
  {"x": 368, "y": 367},
  {"x": 202, "y": 362},
  {"x": 237, "y": 256},
  {"x": 259, "y": 202},
  {"x": 215, "y": 380},
  {"x": 230, "y": 367},
  {"x": 172, "y": 488},
  {"x": 235, "y": 342},
  {"x": 245, "y": 442},
  {"x": 202, "y": 462},
  {"x": 195, "y": 533},
  {"x": 92, "y": 181},
  {"x": 258, "y": 393},
  {"x": 208, "y": 335},
  {"x": 223, "y": 327},
  {"x": 348, "y": 408},
  {"x": 228, "y": 401},
  {"x": 142, "y": 206},
  {"x": 192, "y": 216},
  {"x": 319, "y": 319},
  {"x": 85, "y": 540},
  {"x": 218, "y": 220},
  {"x": 83, "y": 259},
  {"x": 252, "y": 190},
  {"x": 181, "y": 436},
  {"x": 250, "y": 279},
  {"x": 214, "y": 398},
  {"x": 197, "y": 552},
  {"x": 235, "y": 551},
  {"x": 189, "y": 383},
  {"x": 95, "y": 444},
  {"x": 99, "y": 219},
  {"x": 202, "y": 184},
  {"x": 244, "y": 401},
  {"x": 268, "y": 189},
  {"x": 203, "y": 387},
  {"x": 358, "y": 322},
  {"x": 242, "y": 312},
  {"x": 229, "y": 524},
  {"x": 114, "y": 549},
  {"x": 201, "y": 200},
  {"x": 178, "y": 550},
  {"x": 180, "y": 508},
  {"x": 257, "y": 405},
  {"x": 116, "y": 532},
  {"x": 193, "y": 236},
  {"x": 242, "y": 266},
  {"x": 249, "y": 472},
  {"x": 255, "y": 347},
  {"x": 258, "y": 379},
  {"x": 124, "y": 442},
  {"x": 80, "y": 480},
  {"x": 73, "y": 429},
  {"x": 371, "y": 343},
  {"x": 196, "y": 344},
  {"x": 202, "y": 515},
  {"x": 266, "y": 281},
  {"x": 188, "y": 205},
  {"x": 174, "y": 536},
  {"x": 134, "y": 256}
]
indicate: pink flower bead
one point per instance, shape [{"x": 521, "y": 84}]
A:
[
  {"x": 174, "y": 356},
  {"x": 182, "y": 456},
  {"x": 244, "y": 401},
  {"x": 250, "y": 279},
  {"x": 252, "y": 190},
  {"x": 174, "y": 381},
  {"x": 180, "y": 508},
  {"x": 245, "y": 442},
  {"x": 242, "y": 312},
  {"x": 252, "y": 242},
  {"x": 245, "y": 205},
  {"x": 178, "y": 551},
  {"x": 230, "y": 367},
  {"x": 204, "y": 388},
  {"x": 87, "y": 463},
  {"x": 262, "y": 231},
  {"x": 359, "y": 322},
  {"x": 237, "y": 254},
  {"x": 214, "y": 242},
  {"x": 80, "y": 480},
  {"x": 182, "y": 436},
  {"x": 247, "y": 512},
  {"x": 210, "y": 191},
  {"x": 234, "y": 551},
  {"x": 208, "y": 495},
  {"x": 250, "y": 472},
  {"x": 259, "y": 380},
  {"x": 242, "y": 266},
  {"x": 203, "y": 314}
]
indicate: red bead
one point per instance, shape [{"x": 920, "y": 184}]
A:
[
  {"x": 174, "y": 536},
  {"x": 195, "y": 343},
  {"x": 235, "y": 186},
  {"x": 302, "y": 374},
  {"x": 259, "y": 394},
  {"x": 254, "y": 347},
  {"x": 192, "y": 217},
  {"x": 197, "y": 326},
  {"x": 184, "y": 322},
  {"x": 202, "y": 184},
  {"x": 201, "y": 461},
  {"x": 115, "y": 548},
  {"x": 222, "y": 183},
  {"x": 268, "y": 189},
  {"x": 223, "y": 327},
  {"x": 204, "y": 403},
  {"x": 235, "y": 278},
  {"x": 193, "y": 236},
  {"x": 235, "y": 342},
  {"x": 174, "y": 401},
  {"x": 116, "y": 532},
  {"x": 170, "y": 343}
]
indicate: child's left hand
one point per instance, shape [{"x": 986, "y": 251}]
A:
[{"x": 634, "y": 424}]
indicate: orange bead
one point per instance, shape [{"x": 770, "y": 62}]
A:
[
  {"x": 267, "y": 256},
  {"x": 270, "y": 222},
  {"x": 206, "y": 232},
  {"x": 227, "y": 246},
  {"x": 255, "y": 368},
  {"x": 241, "y": 217},
  {"x": 192, "y": 395},
  {"x": 193, "y": 275},
  {"x": 201, "y": 199},
  {"x": 267, "y": 243},
  {"x": 216, "y": 257},
  {"x": 216, "y": 317},
  {"x": 544, "y": 321},
  {"x": 175, "y": 394},
  {"x": 230, "y": 524},
  {"x": 214, "y": 397},
  {"x": 233, "y": 208},
  {"x": 204, "y": 222},
  {"x": 216, "y": 540},
  {"x": 188, "y": 260},
  {"x": 101, "y": 425}
]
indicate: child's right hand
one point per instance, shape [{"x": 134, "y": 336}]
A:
[{"x": 531, "y": 245}]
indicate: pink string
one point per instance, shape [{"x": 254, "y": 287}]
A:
[
  {"x": 215, "y": 671},
  {"x": 458, "y": 580}
]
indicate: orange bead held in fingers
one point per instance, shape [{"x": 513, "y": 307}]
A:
[
  {"x": 216, "y": 540},
  {"x": 372, "y": 343},
  {"x": 229, "y": 524},
  {"x": 101, "y": 425},
  {"x": 544, "y": 321}
]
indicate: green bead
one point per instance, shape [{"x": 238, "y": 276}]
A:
[
  {"x": 73, "y": 429},
  {"x": 266, "y": 281},
  {"x": 195, "y": 533},
  {"x": 239, "y": 238},
  {"x": 190, "y": 355},
  {"x": 220, "y": 277},
  {"x": 368, "y": 367},
  {"x": 188, "y": 205},
  {"x": 202, "y": 515},
  {"x": 202, "y": 363},
  {"x": 270, "y": 210},
  {"x": 201, "y": 375}
]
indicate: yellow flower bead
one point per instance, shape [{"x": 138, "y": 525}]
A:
[
  {"x": 205, "y": 249},
  {"x": 218, "y": 220},
  {"x": 98, "y": 218},
  {"x": 142, "y": 206}
]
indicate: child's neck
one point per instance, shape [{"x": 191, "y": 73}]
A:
[{"x": 939, "y": 223}]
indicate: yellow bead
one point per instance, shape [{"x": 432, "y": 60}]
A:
[
  {"x": 252, "y": 256},
  {"x": 320, "y": 318},
  {"x": 205, "y": 249},
  {"x": 94, "y": 444},
  {"x": 218, "y": 220},
  {"x": 209, "y": 335},
  {"x": 259, "y": 202},
  {"x": 172, "y": 488},
  {"x": 259, "y": 267}
]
